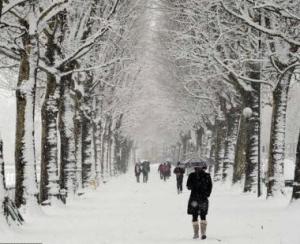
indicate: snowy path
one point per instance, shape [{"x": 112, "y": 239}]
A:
[{"x": 124, "y": 212}]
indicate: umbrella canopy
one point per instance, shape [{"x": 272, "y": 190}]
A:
[{"x": 195, "y": 162}]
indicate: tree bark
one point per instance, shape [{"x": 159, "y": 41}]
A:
[
  {"x": 296, "y": 184},
  {"x": 26, "y": 178},
  {"x": 88, "y": 171},
  {"x": 199, "y": 141},
  {"x": 220, "y": 137},
  {"x": 240, "y": 152},
  {"x": 233, "y": 118},
  {"x": 49, "y": 184},
  {"x": 67, "y": 136},
  {"x": 117, "y": 145},
  {"x": 275, "y": 183},
  {"x": 78, "y": 141},
  {"x": 2, "y": 183},
  {"x": 252, "y": 100}
]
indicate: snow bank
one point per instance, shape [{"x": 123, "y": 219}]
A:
[{"x": 290, "y": 233}]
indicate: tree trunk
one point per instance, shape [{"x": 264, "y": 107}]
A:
[
  {"x": 296, "y": 185},
  {"x": 2, "y": 184},
  {"x": 49, "y": 184},
  {"x": 103, "y": 150},
  {"x": 230, "y": 144},
  {"x": 220, "y": 137},
  {"x": 277, "y": 142},
  {"x": 117, "y": 145},
  {"x": 199, "y": 141},
  {"x": 98, "y": 149},
  {"x": 239, "y": 167},
  {"x": 78, "y": 141},
  {"x": 87, "y": 129},
  {"x": 107, "y": 146},
  {"x": 125, "y": 154},
  {"x": 252, "y": 170},
  {"x": 67, "y": 136},
  {"x": 26, "y": 179},
  {"x": 184, "y": 141}
]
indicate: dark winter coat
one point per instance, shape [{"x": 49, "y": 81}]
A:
[
  {"x": 137, "y": 169},
  {"x": 200, "y": 184},
  {"x": 146, "y": 167},
  {"x": 179, "y": 172}
]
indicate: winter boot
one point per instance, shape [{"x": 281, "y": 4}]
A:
[
  {"x": 203, "y": 224},
  {"x": 196, "y": 230}
]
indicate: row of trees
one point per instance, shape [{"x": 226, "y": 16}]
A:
[
  {"x": 74, "y": 61},
  {"x": 233, "y": 56}
]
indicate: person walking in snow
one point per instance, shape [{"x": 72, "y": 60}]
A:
[
  {"x": 160, "y": 170},
  {"x": 168, "y": 172},
  {"x": 145, "y": 170},
  {"x": 137, "y": 171},
  {"x": 200, "y": 184},
  {"x": 179, "y": 172},
  {"x": 165, "y": 171}
]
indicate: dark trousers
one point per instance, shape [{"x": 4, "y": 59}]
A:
[
  {"x": 179, "y": 180},
  {"x": 137, "y": 177},
  {"x": 202, "y": 217},
  {"x": 145, "y": 177}
]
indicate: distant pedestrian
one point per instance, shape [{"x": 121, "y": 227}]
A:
[
  {"x": 169, "y": 167},
  {"x": 200, "y": 184},
  {"x": 137, "y": 171},
  {"x": 145, "y": 171},
  {"x": 160, "y": 170},
  {"x": 165, "y": 171},
  {"x": 179, "y": 172}
]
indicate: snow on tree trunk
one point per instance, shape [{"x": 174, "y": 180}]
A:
[
  {"x": 105, "y": 141},
  {"x": 98, "y": 149},
  {"x": 67, "y": 135},
  {"x": 49, "y": 184},
  {"x": 199, "y": 141},
  {"x": 78, "y": 142},
  {"x": 103, "y": 150},
  {"x": 230, "y": 144},
  {"x": 26, "y": 178},
  {"x": 252, "y": 100},
  {"x": 240, "y": 153},
  {"x": 296, "y": 184},
  {"x": 277, "y": 141},
  {"x": 220, "y": 137},
  {"x": 117, "y": 145},
  {"x": 2, "y": 184},
  {"x": 88, "y": 172},
  {"x": 126, "y": 147},
  {"x": 184, "y": 141},
  {"x": 107, "y": 147},
  {"x": 113, "y": 159},
  {"x": 97, "y": 135}
]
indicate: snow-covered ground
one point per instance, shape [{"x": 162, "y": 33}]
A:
[{"x": 124, "y": 212}]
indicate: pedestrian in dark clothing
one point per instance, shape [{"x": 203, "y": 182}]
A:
[
  {"x": 145, "y": 170},
  {"x": 168, "y": 172},
  {"x": 165, "y": 171},
  {"x": 179, "y": 172},
  {"x": 200, "y": 184},
  {"x": 137, "y": 171},
  {"x": 160, "y": 170}
]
